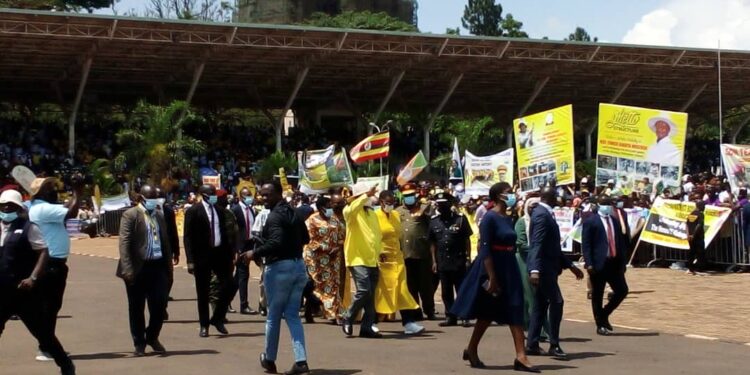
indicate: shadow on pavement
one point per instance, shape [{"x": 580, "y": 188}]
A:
[
  {"x": 634, "y": 334},
  {"x": 584, "y": 355},
  {"x": 540, "y": 367},
  {"x": 640, "y": 291},
  {"x": 175, "y": 321},
  {"x": 575, "y": 339},
  {"x": 241, "y": 335},
  {"x": 119, "y": 355}
]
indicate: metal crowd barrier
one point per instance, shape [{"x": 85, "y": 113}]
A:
[
  {"x": 109, "y": 222},
  {"x": 727, "y": 248}
]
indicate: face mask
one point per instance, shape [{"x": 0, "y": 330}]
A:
[
  {"x": 410, "y": 200},
  {"x": 388, "y": 208},
  {"x": 485, "y": 204},
  {"x": 150, "y": 204},
  {"x": 212, "y": 199},
  {"x": 8, "y": 216},
  {"x": 511, "y": 201},
  {"x": 605, "y": 210},
  {"x": 248, "y": 201},
  {"x": 329, "y": 212},
  {"x": 620, "y": 204},
  {"x": 161, "y": 202},
  {"x": 644, "y": 214}
]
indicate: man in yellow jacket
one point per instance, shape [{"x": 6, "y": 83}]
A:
[{"x": 362, "y": 249}]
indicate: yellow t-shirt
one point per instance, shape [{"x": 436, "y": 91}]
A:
[{"x": 363, "y": 243}]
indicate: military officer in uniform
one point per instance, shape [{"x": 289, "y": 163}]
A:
[
  {"x": 450, "y": 244},
  {"x": 695, "y": 229}
]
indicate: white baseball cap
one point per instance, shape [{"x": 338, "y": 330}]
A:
[{"x": 12, "y": 196}]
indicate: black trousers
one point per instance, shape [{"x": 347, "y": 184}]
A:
[
  {"x": 419, "y": 281},
  {"x": 29, "y": 306},
  {"x": 696, "y": 257},
  {"x": 548, "y": 302},
  {"x": 450, "y": 282},
  {"x": 221, "y": 266},
  {"x": 152, "y": 286},
  {"x": 614, "y": 275},
  {"x": 52, "y": 286},
  {"x": 241, "y": 280}
]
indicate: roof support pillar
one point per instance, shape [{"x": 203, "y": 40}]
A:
[
  {"x": 77, "y": 103},
  {"x": 537, "y": 90},
  {"x": 394, "y": 85},
  {"x": 433, "y": 117},
  {"x": 694, "y": 95},
  {"x": 279, "y": 126}
]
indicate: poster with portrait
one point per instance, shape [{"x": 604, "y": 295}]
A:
[
  {"x": 736, "y": 160},
  {"x": 637, "y": 143},
  {"x": 667, "y": 223},
  {"x": 544, "y": 145},
  {"x": 320, "y": 170},
  {"x": 481, "y": 172}
]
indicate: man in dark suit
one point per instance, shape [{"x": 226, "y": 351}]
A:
[
  {"x": 545, "y": 263},
  {"x": 245, "y": 214},
  {"x": 174, "y": 239},
  {"x": 207, "y": 249},
  {"x": 145, "y": 265},
  {"x": 604, "y": 243}
]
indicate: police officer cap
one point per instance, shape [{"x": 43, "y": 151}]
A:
[{"x": 443, "y": 197}]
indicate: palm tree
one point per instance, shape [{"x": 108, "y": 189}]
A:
[{"x": 153, "y": 142}]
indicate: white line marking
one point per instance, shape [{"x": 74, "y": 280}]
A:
[
  {"x": 629, "y": 327},
  {"x": 577, "y": 320},
  {"x": 700, "y": 337}
]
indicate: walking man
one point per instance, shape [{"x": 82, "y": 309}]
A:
[
  {"x": 605, "y": 244},
  {"x": 208, "y": 250},
  {"x": 362, "y": 249},
  {"x": 23, "y": 258},
  {"x": 545, "y": 262},
  {"x": 245, "y": 214},
  {"x": 145, "y": 266}
]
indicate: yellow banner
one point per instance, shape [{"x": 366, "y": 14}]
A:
[
  {"x": 544, "y": 145},
  {"x": 637, "y": 143},
  {"x": 282, "y": 179},
  {"x": 667, "y": 223}
]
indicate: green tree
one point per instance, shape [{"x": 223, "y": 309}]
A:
[
  {"x": 269, "y": 167},
  {"x": 484, "y": 17},
  {"x": 101, "y": 173},
  {"x": 452, "y": 31},
  {"x": 152, "y": 141},
  {"x": 61, "y": 5},
  {"x": 581, "y": 35},
  {"x": 201, "y": 10},
  {"x": 365, "y": 20}
]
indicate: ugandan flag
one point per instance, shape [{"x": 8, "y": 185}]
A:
[
  {"x": 373, "y": 147},
  {"x": 413, "y": 169}
]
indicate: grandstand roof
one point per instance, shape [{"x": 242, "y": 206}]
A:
[{"x": 44, "y": 55}]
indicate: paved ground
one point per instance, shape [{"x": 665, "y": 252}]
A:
[{"x": 94, "y": 329}]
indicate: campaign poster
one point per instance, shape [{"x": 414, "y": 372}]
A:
[
  {"x": 736, "y": 160},
  {"x": 564, "y": 217},
  {"x": 667, "y": 223},
  {"x": 544, "y": 145},
  {"x": 320, "y": 170},
  {"x": 481, "y": 172},
  {"x": 637, "y": 143}
]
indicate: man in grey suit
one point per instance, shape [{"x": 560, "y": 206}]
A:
[{"x": 145, "y": 265}]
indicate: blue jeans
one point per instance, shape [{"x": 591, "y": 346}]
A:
[{"x": 284, "y": 282}]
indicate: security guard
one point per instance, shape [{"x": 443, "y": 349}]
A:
[
  {"x": 450, "y": 244},
  {"x": 695, "y": 229}
]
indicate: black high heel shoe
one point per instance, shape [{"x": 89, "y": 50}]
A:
[
  {"x": 467, "y": 357},
  {"x": 518, "y": 366}
]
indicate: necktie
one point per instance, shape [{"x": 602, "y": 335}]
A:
[
  {"x": 213, "y": 240},
  {"x": 247, "y": 222},
  {"x": 611, "y": 238}
]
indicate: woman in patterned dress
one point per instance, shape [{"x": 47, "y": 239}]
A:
[{"x": 324, "y": 257}]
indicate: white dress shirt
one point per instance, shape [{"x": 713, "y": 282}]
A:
[
  {"x": 247, "y": 212},
  {"x": 664, "y": 152},
  {"x": 211, "y": 210}
]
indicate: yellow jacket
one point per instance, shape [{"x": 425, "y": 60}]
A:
[{"x": 363, "y": 243}]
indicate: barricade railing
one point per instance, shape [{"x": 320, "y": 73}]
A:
[{"x": 727, "y": 248}]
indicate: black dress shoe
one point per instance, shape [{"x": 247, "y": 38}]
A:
[
  {"x": 299, "y": 368},
  {"x": 448, "y": 323},
  {"x": 269, "y": 366},
  {"x": 557, "y": 352},
  {"x": 347, "y": 328},
  {"x": 518, "y": 366},
  {"x": 231, "y": 310},
  {"x": 466, "y": 323},
  {"x": 370, "y": 335},
  {"x": 156, "y": 346},
  {"x": 605, "y": 324},
  {"x": 220, "y": 327},
  {"x": 140, "y": 351},
  {"x": 534, "y": 351},
  {"x": 248, "y": 311},
  {"x": 203, "y": 332},
  {"x": 431, "y": 317},
  {"x": 263, "y": 311},
  {"x": 602, "y": 331}
]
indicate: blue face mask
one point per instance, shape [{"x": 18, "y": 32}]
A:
[
  {"x": 8, "y": 216},
  {"x": 248, "y": 201},
  {"x": 605, "y": 210},
  {"x": 150, "y": 204},
  {"x": 511, "y": 201},
  {"x": 329, "y": 212},
  {"x": 410, "y": 200},
  {"x": 212, "y": 199},
  {"x": 644, "y": 213},
  {"x": 161, "y": 202},
  {"x": 620, "y": 204}
]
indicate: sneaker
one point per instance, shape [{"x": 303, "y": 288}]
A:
[
  {"x": 413, "y": 328},
  {"x": 44, "y": 357},
  {"x": 375, "y": 329}
]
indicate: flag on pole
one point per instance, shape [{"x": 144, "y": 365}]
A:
[
  {"x": 456, "y": 171},
  {"x": 413, "y": 169},
  {"x": 373, "y": 147}
]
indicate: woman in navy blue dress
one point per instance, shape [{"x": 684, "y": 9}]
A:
[{"x": 492, "y": 291}]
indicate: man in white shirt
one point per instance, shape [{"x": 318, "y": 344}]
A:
[{"x": 663, "y": 151}]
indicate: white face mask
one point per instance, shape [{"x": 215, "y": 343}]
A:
[{"x": 388, "y": 208}]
